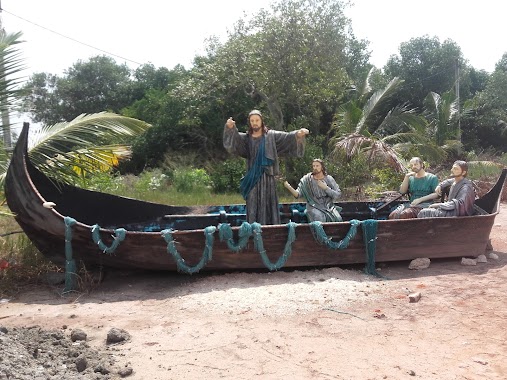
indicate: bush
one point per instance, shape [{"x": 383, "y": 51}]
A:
[
  {"x": 226, "y": 176},
  {"x": 189, "y": 179},
  {"x": 384, "y": 179}
]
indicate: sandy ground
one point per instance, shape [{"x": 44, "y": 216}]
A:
[{"x": 334, "y": 323}]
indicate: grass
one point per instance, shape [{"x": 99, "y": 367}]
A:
[{"x": 21, "y": 263}]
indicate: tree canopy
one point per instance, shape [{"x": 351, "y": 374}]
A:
[{"x": 299, "y": 63}]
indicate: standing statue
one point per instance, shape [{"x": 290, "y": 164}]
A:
[{"x": 261, "y": 147}]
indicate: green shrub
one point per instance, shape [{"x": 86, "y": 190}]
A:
[
  {"x": 384, "y": 179},
  {"x": 226, "y": 176},
  {"x": 353, "y": 173},
  {"x": 190, "y": 179}
]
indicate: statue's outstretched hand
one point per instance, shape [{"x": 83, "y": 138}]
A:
[
  {"x": 288, "y": 186},
  {"x": 302, "y": 132},
  {"x": 230, "y": 123}
]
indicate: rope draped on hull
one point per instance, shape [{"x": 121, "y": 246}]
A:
[{"x": 246, "y": 231}]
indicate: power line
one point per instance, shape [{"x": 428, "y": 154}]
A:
[{"x": 70, "y": 38}]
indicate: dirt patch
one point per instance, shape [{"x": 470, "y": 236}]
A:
[{"x": 335, "y": 323}]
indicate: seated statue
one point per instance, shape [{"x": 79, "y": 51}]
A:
[
  {"x": 460, "y": 201},
  {"x": 320, "y": 190},
  {"x": 420, "y": 186}
]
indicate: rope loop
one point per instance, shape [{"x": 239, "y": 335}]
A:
[
  {"x": 180, "y": 262},
  {"x": 320, "y": 235},
  {"x": 259, "y": 246},
  {"x": 244, "y": 233},
  {"x": 119, "y": 236}
]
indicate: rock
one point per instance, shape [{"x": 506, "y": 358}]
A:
[
  {"x": 414, "y": 297},
  {"x": 420, "y": 263},
  {"x": 102, "y": 368},
  {"x": 493, "y": 256},
  {"x": 469, "y": 262},
  {"x": 77, "y": 334},
  {"x": 124, "y": 372},
  {"x": 482, "y": 259},
  {"x": 117, "y": 335},
  {"x": 81, "y": 363}
]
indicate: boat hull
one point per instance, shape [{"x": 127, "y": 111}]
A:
[{"x": 144, "y": 247}]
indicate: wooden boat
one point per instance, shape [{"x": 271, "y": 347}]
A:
[{"x": 162, "y": 237}]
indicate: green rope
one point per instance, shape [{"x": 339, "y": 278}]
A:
[
  {"x": 120, "y": 234},
  {"x": 180, "y": 262},
  {"x": 322, "y": 238},
  {"x": 259, "y": 246},
  {"x": 70, "y": 263},
  {"x": 370, "y": 242},
  {"x": 244, "y": 233}
]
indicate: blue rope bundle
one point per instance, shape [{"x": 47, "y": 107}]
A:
[
  {"x": 370, "y": 242},
  {"x": 120, "y": 234},
  {"x": 180, "y": 262},
  {"x": 321, "y": 236},
  {"x": 244, "y": 233},
  {"x": 70, "y": 263},
  {"x": 259, "y": 246}
]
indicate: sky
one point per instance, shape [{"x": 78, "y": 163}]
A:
[{"x": 58, "y": 33}]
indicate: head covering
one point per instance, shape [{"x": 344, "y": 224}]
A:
[{"x": 254, "y": 112}]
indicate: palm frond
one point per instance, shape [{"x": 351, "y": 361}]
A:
[
  {"x": 351, "y": 145},
  {"x": 4, "y": 163},
  {"x": 85, "y": 130},
  {"x": 65, "y": 140},
  {"x": 11, "y": 64},
  {"x": 346, "y": 118},
  {"x": 401, "y": 119},
  {"x": 380, "y": 151},
  {"x": 378, "y": 105},
  {"x": 85, "y": 161},
  {"x": 67, "y": 151}
]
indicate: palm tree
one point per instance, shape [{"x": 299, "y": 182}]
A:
[
  {"x": 65, "y": 150},
  {"x": 11, "y": 64},
  {"x": 441, "y": 112},
  {"x": 374, "y": 125}
]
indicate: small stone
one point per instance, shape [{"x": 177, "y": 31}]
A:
[
  {"x": 81, "y": 363},
  {"x": 414, "y": 297},
  {"x": 116, "y": 335},
  {"x": 493, "y": 256},
  {"x": 482, "y": 259},
  {"x": 77, "y": 334},
  {"x": 124, "y": 372},
  {"x": 469, "y": 262},
  {"x": 420, "y": 263}
]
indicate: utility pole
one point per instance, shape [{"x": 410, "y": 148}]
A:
[
  {"x": 6, "y": 128},
  {"x": 456, "y": 72}
]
